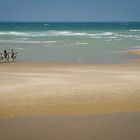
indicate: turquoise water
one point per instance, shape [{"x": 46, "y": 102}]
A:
[{"x": 97, "y": 42}]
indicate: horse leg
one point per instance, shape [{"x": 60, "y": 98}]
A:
[
  {"x": 14, "y": 59},
  {"x": 9, "y": 59}
]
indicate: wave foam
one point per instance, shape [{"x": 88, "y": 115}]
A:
[
  {"x": 46, "y": 24},
  {"x": 81, "y": 43},
  {"x": 66, "y": 33},
  {"x": 55, "y": 33},
  {"x": 107, "y": 34},
  {"x": 124, "y": 52},
  {"x": 136, "y": 30},
  {"x": 18, "y": 48},
  {"x": 136, "y": 47},
  {"x": 28, "y": 42}
]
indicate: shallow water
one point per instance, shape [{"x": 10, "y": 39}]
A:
[{"x": 97, "y": 42}]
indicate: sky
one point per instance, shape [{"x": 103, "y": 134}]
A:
[{"x": 69, "y": 10}]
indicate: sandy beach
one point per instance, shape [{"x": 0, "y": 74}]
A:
[
  {"x": 134, "y": 51},
  {"x": 68, "y": 89},
  {"x": 65, "y": 91},
  {"x": 122, "y": 126}
]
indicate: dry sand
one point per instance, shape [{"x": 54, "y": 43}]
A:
[
  {"x": 68, "y": 89},
  {"x": 59, "y": 89}
]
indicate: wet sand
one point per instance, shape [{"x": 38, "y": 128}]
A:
[
  {"x": 121, "y": 126},
  {"x": 134, "y": 51}
]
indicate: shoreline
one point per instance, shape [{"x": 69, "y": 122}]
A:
[{"x": 134, "y": 51}]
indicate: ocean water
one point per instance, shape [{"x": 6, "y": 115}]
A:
[{"x": 82, "y": 42}]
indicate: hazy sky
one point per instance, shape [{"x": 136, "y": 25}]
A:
[{"x": 69, "y": 10}]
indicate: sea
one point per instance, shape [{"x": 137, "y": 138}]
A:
[{"x": 76, "y": 42}]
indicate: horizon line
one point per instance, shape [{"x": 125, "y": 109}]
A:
[{"x": 67, "y": 21}]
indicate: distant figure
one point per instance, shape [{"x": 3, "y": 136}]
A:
[
  {"x": 2, "y": 57},
  {"x": 5, "y": 53},
  {"x": 13, "y": 55}
]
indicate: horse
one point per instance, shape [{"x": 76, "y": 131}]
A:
[
  {"x": 2, "y": 57},
  {"x": 13, "y": 56},
  {"x": 7, "y": 57}
]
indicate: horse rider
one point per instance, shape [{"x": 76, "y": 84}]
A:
[
  {"x": 13, "y": 55},
  {"x": 5, "y": 53}
]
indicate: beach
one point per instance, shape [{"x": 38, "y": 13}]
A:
[
  {"x": 68, "y": 89},
  {"x": 71, "y": 81},
  {"x": 122, "y": 126},
  {"x": 79, "y": 95}
]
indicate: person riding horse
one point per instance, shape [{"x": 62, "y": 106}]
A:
[
  {"x": 13, "y": 55},
  {"x": 5, "y": 56},
  {"x": 5, "y": 53},
  {"x": 1, "y": 57}
]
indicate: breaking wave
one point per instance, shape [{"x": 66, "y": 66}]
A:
[
  {"x": 137, "y": 30},
  {"x": 29, "y": 42},
  {"x": 53, "y": 33}
]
